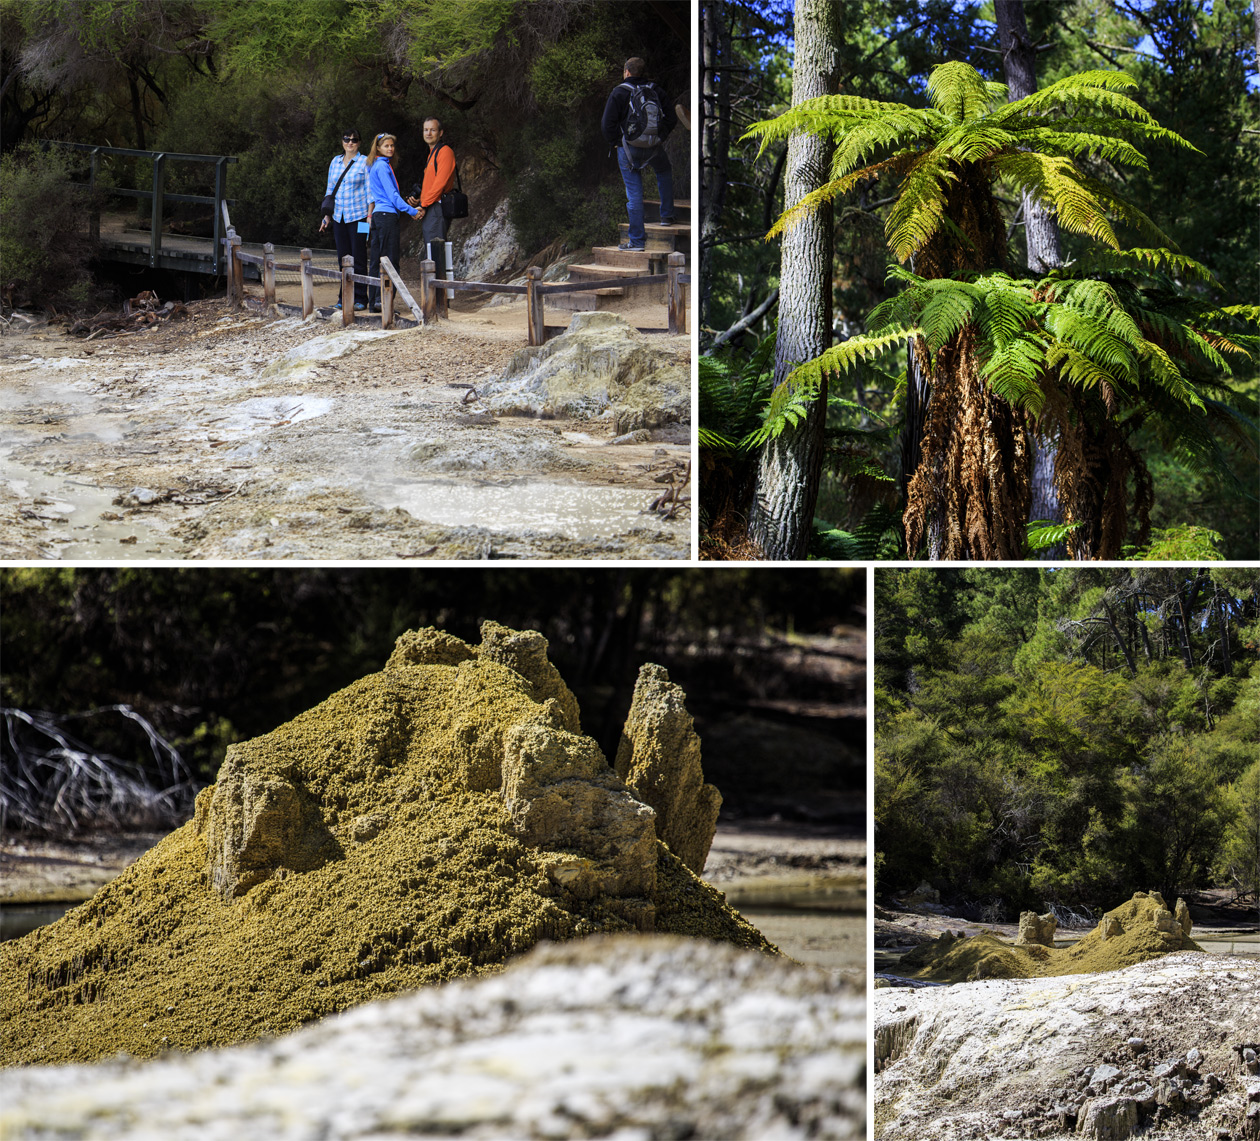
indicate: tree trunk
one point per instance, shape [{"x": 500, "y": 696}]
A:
[
  {"x": 1041, "y": 235},
  {"x": 715, "y": 115},
  {"x": 790, "y": 466}
]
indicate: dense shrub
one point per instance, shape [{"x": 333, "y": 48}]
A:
[{"x": 44, "y": 243}]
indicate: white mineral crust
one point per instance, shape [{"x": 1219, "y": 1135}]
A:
[{"x": 624, "y": 1038}]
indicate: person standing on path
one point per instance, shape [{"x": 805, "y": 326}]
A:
[
  {"x": 439, "y": 176},
  {"x": 637, "y": 120},
  {"x": 385, "y": 203},
  {"x": 349, "y": 217}
]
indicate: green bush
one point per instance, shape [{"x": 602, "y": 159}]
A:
[{"x": 44, "y": 242}]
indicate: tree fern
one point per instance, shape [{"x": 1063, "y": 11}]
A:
[{"x": 1031, "y": 142}]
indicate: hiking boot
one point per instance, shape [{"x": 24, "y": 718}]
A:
[
  {"x": 670, "y": 221},
  {"x": 628, "y": 246}
]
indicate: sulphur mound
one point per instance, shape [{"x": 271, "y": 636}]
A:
[
  {"x": 1141, "y": 929},
  {"x": 427, "y": 822}
]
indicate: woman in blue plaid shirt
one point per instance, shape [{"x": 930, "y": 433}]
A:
[{"x": 349, "y": 220}]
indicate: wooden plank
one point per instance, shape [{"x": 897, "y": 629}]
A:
[
  {"x": 677, "y": 321},
  {"x": 603, "y": 283},
  {"x": 269, "y": 274},
  {"x": 308, "y": 286},
  {"x": 387, "y": 300},
  {"x": 537, "y": 322},
  {"x": 347, "y": 290},
  {"x": 402, "y": 289}
]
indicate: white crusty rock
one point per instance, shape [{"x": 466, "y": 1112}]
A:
[
  {"x": 952, "y": 1061},
  {"x": 601, "y": 366},
  {"x": 630, "y": 1037}
]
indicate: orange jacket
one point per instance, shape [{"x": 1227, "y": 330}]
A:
[{"x": 439, "y": 174}]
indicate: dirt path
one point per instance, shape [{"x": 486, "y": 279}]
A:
[{"x": 231, "y": 435}]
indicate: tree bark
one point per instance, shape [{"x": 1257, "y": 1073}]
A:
[
  {"x": 1041, "y": 235},
  {"x": 715, "y": 116},
  {"x": 790, "y": 466}
]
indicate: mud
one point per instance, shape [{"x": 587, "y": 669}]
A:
[
  {"x": 384, "y": 840},
  {"x": 227, "y": 435}
]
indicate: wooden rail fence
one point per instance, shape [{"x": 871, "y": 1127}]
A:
[{"x": 432, "y": 301}]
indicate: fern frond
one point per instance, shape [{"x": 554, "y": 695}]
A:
[
  {"x": 1094, "y": 89},
  {"x": 1077, "y": 143},
  {"x": 1014, "y": 371},
  {"x": 957, "y": 90},
  {"x": 948, "y": 309},
  {"x": 1146, "y": 261},
  {"x": 1167, "y": 375},
  {"x": 825, "y": 115},
  {"x": 895, "y": 129},
  {"x": 920, "y": 207},
  {"x": 973, "y": 142},
  {"x": 842, "y": 357},
  {"x": 1046, "y": 533},
  {"x": 1057, "y": 184},
  {"x": 1126, "y": 211}
]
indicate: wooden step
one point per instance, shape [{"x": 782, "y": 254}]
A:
[
  {"x": 585, "y": 300},
  {"x": 682, "y": 209},
  {"x": 594, "y": 271},
  {"x": 612, "y": 255},
  {"x": 666, "y": 239}
]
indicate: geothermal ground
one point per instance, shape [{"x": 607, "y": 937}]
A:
[{"x": 223, "y": 434}]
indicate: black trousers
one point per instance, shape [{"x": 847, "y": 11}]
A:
[
  {"x": 350, "y": 241},
  {"x": 383, "y": 242}
]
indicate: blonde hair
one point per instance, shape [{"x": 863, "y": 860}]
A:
[{"x": 376, "y": 142}]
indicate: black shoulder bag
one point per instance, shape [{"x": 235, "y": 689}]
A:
[{"x": 454, "y": 203}]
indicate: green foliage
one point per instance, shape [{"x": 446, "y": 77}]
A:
[
  {"x": 1239, "y": 859},
  {"x": 43, "y": 247},
  {"x": 733, "y": 392},
  {"x": 1043, "y": 534},
  {"x": 1184, "y": 544},
  {"x": 1018, "y": 756}
]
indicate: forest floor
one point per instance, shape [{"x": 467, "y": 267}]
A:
[{"x": 209, "y": 437}]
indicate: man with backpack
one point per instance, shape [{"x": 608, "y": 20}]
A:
[{"x": 637, "y": 119}]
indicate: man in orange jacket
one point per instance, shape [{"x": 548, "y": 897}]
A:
[{"x": 439, "y": 177}]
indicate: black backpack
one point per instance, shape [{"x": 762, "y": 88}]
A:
[{"x": 644, "y": 117}]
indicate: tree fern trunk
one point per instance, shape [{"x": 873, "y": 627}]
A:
[{"x": 790, "y": 466}]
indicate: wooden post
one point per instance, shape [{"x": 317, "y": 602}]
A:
[
  {"x": 534, "y": 306},
  {"x": 94, "y": 218},
  {"x": 308, "y": 286},
  {"x": 221, "y": 219},
  {"x": 155, "y": 216},
  {"x": 428, "y": 295},
  {"x": 347, "y": 290},
  {"x": 674, "y": 294},
  {"x": 387, "y": 296},
  {"x": 269, "y": 274},
  {"x": 237, "y": 270}
]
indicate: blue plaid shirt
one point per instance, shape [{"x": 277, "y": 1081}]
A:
[{"x": 352, "y": 200}]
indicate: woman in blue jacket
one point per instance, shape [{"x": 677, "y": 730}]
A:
[
  {"x": 351, "y": 209},
  {"x": 385, "y": 203}
]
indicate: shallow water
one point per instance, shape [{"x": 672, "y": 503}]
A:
[{"x": 575, "y": 511}]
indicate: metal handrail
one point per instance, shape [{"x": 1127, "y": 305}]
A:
[{"x": 158, "y": 195}]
